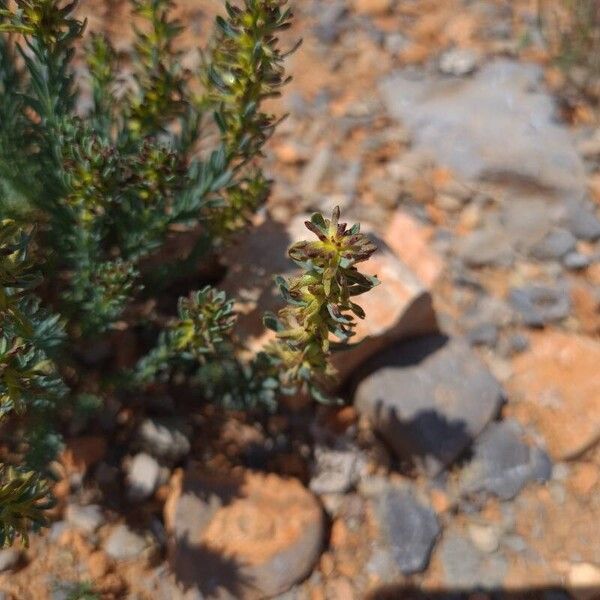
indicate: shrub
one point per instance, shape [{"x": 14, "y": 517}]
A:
[
  {"x": 572, "y": 30},
  {"x": 100, "y": 190}
]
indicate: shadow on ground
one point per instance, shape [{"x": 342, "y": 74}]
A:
[{"x": 398, "y": 592}]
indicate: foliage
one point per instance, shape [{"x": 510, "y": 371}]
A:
[
  {"x": 101, "y": 184},
  {"x": 28, "y": 380},
  {"x": 572, "y": 30},
  {"x": 319, "y": 304}
]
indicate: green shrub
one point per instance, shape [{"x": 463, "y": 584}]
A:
[{"x": 101, "y": 190}]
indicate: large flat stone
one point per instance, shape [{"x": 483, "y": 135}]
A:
[
  {"x": 556, "y": 388},
  {"x": 429, "y": 398},
  {"x": 244, "y": 535},
  {"x": 499, "y": 125}
]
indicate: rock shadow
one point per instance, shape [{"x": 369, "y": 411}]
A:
[{"x": 404, "y": 592}]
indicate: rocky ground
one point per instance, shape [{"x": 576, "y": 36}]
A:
[{"x": 467, "y": 458}]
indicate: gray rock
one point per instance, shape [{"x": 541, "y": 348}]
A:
[
  {"x": 409, "y": 527},
  {"x": 465, "y": 567},
  {"x": 503, "y": 464},
  {"x": 554, "y": 245},
  {"x": 582, "y": 222},
  {"x": 483, "y": 335},
  {"x": 330, "y": 21},
  {"x": 9, "y": 559},
  {"x": 142, "y": 477},
  {"x": 125, "y": 544},
  {"x": 458, "y": 62},
  {"x": 335, "y": 471},
  {"x": 498, "y": 125},
  {"x": 86, "y": 518},
  {"x": 575, "y": 261},
  {"x": 164, "y": 439},
  {"x": 539, "y": 305},
  {"x": 429, "y": 398},
  {"x": 486, "y": 247}
]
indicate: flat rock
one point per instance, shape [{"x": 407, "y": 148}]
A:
[
  {"x": 399, "y": 308},
  {"x": 538, "y": 305},
  {"x": 242, "y": 536},
  {"x": 165, "y": 439},
  {"x": 499, "y": 124},
  {"x": 554, "y": 245},
  {"x": 125, "y": 544},
  {"x": 503, "y": 464},
  {"x": 335, "y": 471},
  {"x": 557, "y": 385},
  {"x": 429, "y": 398},
  {"x": 409, "y": 527},
  {"x": 86, "y": 518}
]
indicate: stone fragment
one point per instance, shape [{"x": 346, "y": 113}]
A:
[
  {"x": 428, "y": 398},
  {"x": 9, "y": 559},
  {"x": 458, "y": 62},
  {"x": 86, "y": 518},
  {"x": 247, "y": 535},
  {"x": 503, "y": 463},
  {"x": 486, "y": 247},
  {"x": 142, "y": 477},
  {"x": 583, "y": 222},
  {"x": 539, "y": 305},
  {"x": 409, "y": 527},
  {"x": 164, "y": 439},
  {"x": 557, "y": 383},
  {"x": 335, "y": 471},
  {"x": 575, "y": 261},
  {"x": 554, "y": 245},
  {"x": 125, "y": 544}
]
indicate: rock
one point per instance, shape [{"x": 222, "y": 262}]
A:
[
  {"x": 125, "y": 544},
  {"x": 584, "y": 581},
  {"x": 558, "y": 387},
  {"x": 555, "y": 245},
  {"x": 483, "y": 335},
  {"x": 164, "y": 439},
  {"x": 498, "y": 125},
  {"x": 503, "y": 464},
  {"x": 539, "y": 305},
  {"x": 486, "y": 247},
  {"x": 335, "y": 471},
  {"x": 428, "y": 398},
  {"x": 465, "y": 567},
  {"x": 330, "y": 21},
  {"x": 582, "y": 222},
  {"x": 9, "y": 559},
  {"x": 458, "y": 62},
  {"x": 409, "y": 527},
  {"x": 574, "y": 261},
  {"x": 142, "y": 477},
  {"x": 86, "y": 518},
  {"x": 248, "y": 535},
  {"x": 398, "y": 309},
  {"x": 485, "y": 537}
]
